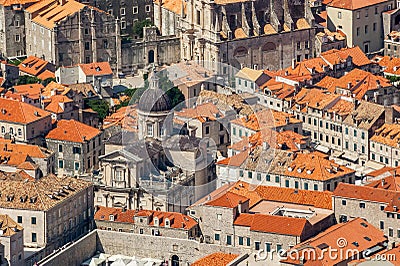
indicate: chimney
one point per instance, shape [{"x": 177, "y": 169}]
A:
[
  {"x": 389, "y": 115},
  {"x": 349, "y": 85},
  {"x": 240, "y": 207},
  {"x": 293, "y": 63}
]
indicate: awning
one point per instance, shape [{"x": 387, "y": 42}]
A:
[
  {"x": 322, "y": 148},
  {"x": 337, "y": 154},
  {"x": 352, "y": 157},
  {"x": 374, "y": 165}
]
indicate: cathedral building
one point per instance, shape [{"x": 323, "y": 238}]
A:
[
  {"x": 256, "y": 34},
  {"x": 162, "y": 169}
]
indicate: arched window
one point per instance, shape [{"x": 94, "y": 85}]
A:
[
  {"x": 269, "y": 46},
  {"x": 241, "y": 51},
  {"x": 11, "y": 130}
]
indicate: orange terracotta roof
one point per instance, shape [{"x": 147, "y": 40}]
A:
[
  {"x": 272, "y": 224},
  {"x": 48, "y": 13},
  {"x": 96, "y": 69},
  {"x": 390, "y": 182},
  {"x": 361, "y": 82},
  {"x": 355, "y": 235},
  {"x": 317, "y": 199},
  {"x": 390, "y": 65},
  {"x": 216, "y": 259},
  {"x": 173, "y": 5},
  {"x": 328, "y": 83},
  {"x": 335, "y": 56},
  {"x": 47, "y": 74},
  {"x": 365, "y": 193},
  {"x": 314, "y": 98},
  {"x": 177, "y": 220},
  {"x": 278, "y": 140},
  {"x": 239, "y": 33},
  {"x": 205, "y": 110},
  {"x": 353, "y": 4},
  {"x": 73, "y": 131},
  {"x": 55, "y": 106},
  {"x": 391, "y": 256},
  {"x": 227, "y": 200},
  {"x": 28, "y": 166},
  {"x": 266, "y": 119},
  {"x": 125, "y": 117},
  {"x": 342, "y": 107},
  {"x": 33, "y": 65},
  {"x": 33, "y": 151},
  {"x": 16, "y": 2},
  {"x": 381, "y": 171},
  {"x": 31, "y": 89},
  {"x": 235, "y": 160},
  {"x": 8, "y": 226},
  {"x": 306, "y": 67},
  {"x": 388, "y": 134},
  {"x": 19, "y": 112}
]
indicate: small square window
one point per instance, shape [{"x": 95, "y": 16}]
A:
[{"x": 33, "y": 220}]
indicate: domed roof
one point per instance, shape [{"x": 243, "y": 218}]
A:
[{"x": 154, "y": 100}]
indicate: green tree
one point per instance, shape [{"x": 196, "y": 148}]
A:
[
  {"x": 22, "y": 80},
  {"x": 138, "y": 27},
  {"x": 102, "y": 107}
]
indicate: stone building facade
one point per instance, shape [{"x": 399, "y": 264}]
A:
[
  {"x": 376, "y": 205},
  {"x": 263, "y": 35},
  {"x": 12, "y": 28},
  {"x": 84, "y": 35},
  {"x": 128, "y": 12},
  {"x": 77, "y": 147},
  {"x": 50, "y": 220}
]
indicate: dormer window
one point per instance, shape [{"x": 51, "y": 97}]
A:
[
  {"x": 156, "y": 222},
  {"x": 111, "y": 218},
  {"x": 167, "y": 224}
]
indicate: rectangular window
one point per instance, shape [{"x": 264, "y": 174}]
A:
[
  {"x": 305, "y": 186},
  {"x": 257, "y": 245},
  {"x": 286, "y": 183},
  {"x": 374, "y": 26},
  {"x": 105, "y": 44},
  {"x": 358, "y": 14},
  {"x": 344, "y": 202},
  {"x": 135, "y": 10},
  {"x": 122, "y": 11},
  {"x": 76, "y": 150},
  {"x": 60, "y": 148},
  {"x": 366, "y": 29},
  {"x": 248, "y": 242},
  {"x": 76, "y": 166},
  {"x": 278, "y": 247},
  {"x": 33, "y": 220},
  {"x": 250, "y": 174},
  {"x": 358, "y": 31},
  {"x": 339, "y": 15},
  {"x": 268, "y": 177},
  {"x": 296, "y": 184},
  {"x": 60, "y": 164},
  {"x": 229, "y": 240},
  {"x": 382, "y": 225},
  {"x": 17, "y": 38},
  {"x": 87, "y": 46},
  {"x": 34, "y": 237},
  {"x": 19, "y": 219},
  {"x": 362, "y": 205},
  {"x": 259, "y": 177},
  {"x": 241, "y": 240},
  {"x": 316, "y": 187},
  {"x": 267, "y": 247},
  {"x": 148, "y": 8},
  {"x": 277, "y": 179}
]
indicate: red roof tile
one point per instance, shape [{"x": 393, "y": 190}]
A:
[
  {"x": 353, "y": 4},
  {"x": 19, "y": 112},
  {"x": 73, "y": 131},
  {"x": 227, "y": 200},
  {"x": 177, "y": 220},
  {"x": 355, "y": 235},
  {"x": 335, "y": 56},
  {"x": 365, "y": 193},
  {"x": 272, "y": 223},
  {"x": 96, "y": 69},
  {"x": 216, "y": 259},
  {"x": 33, "y": 65}
]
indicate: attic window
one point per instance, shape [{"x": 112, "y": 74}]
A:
[
  {"x": 10, "y": 197},
  {"x": 32, "y": 199},
  {"x": 367, "y": 238},
  {"x": 356, "y": 244},
  {"x": 111, "y": 218},
  {"x": 23, "y": 198},
  {"x": 323, "y": 246},
  {"x": 98, "y": 69},
  {"x": 364, "y": 224}
]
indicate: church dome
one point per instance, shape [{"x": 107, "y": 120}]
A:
[{"x": 154, "y": 100}]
